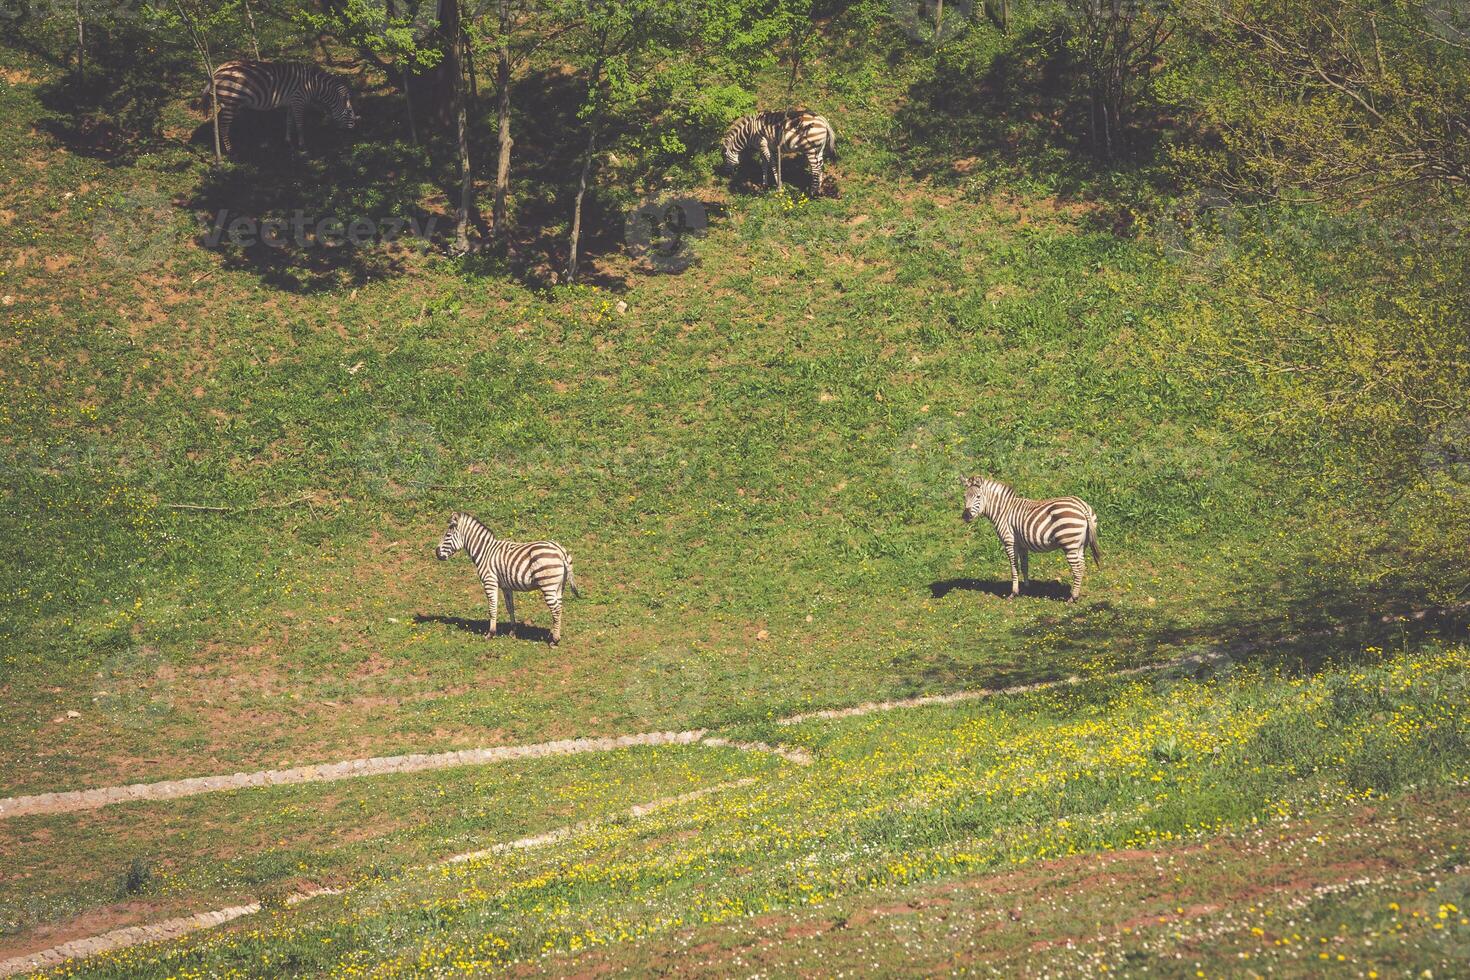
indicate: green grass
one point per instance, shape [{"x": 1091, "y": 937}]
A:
[
  {"x": 900, "y": 798},
  {"x": 755, "y": 467},
  {"x": 718, "y": 468},
  {"x": 211, "y": 851}
]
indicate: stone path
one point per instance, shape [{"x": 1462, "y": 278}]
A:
[
  {"x": 69, "y": 802},
  {"x": 91, "y": 799},
  {"x": 137, "y": 935},
  {"x": 184, "y": 925}
]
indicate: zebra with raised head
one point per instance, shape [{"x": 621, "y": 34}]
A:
[
  {"x": 798, "y": 131},
  {"x": 265, "y": 85},
  {"x": 509, "y": 567},
  {"x": 1024, "y": 526}
]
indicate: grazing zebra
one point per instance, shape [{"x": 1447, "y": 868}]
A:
[
  {"x": 1025, "y": 526},
  {"x": 263, "y": 85},
  {"x": 798, "y": 131},
  {"x": 511, "y": 567}
]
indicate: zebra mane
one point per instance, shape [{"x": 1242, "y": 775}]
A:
[
  {"x": 465, "y": 520},
  {"x": 739, "y": 132},
  {"x": 998, "y": 487}
]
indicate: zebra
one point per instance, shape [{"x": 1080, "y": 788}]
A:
[
  {"x": 798, "y": 131},
  {"x": 511, "y": 567},
  {"x": 264, "y": 85},
  {"x": 1024, "y": 526}
]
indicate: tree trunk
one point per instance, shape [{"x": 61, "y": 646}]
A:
[
  {"x": 413, "y": 130},
  {"x": 794, "y": 42},
  {"x": 81, "y": 41},
  {"x": 254, "y": 38},
  {"x": 469, "y": 60},
  {"x": 595, "y": 90},
  {"x": 502, "y": 165},
  {"x": 449, "y": 24}
]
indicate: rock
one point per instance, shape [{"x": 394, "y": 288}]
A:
[
  {"x": 621, "y": 307},
  {"x": 73, "y": 714}
]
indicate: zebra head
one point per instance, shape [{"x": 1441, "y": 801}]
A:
[
  {"x": 341, "y": 110},
  {"x": 452, "y": 541},
  {"x": 735, "y": 139},
  {"x": 981, "y": 494}
]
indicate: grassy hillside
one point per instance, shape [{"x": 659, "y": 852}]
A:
[{"x": 224, "y": 472}]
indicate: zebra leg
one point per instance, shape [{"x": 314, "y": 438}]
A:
[
  {"x": 299, "y": 112},
  {"x": 1010, "y": 550},
  {"x": 510, "y": 609},
  {"x": 553, "y": 602},
  {"x": 1074, "y": 558},
  {"x": 492, "y": 593},
  {"x": 226, "y": 115},
  {"x": 814, "y": 167},
  {"x": 1025, "y": 557}
]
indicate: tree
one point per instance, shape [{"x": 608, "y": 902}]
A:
[
  {"x": 1333, "y": 96},
  {"x": 1340, "y": 128},
  {"x": 514, "y": 30},
  {"x": 1118, "y": 42},
  {"x": 648, "y": 64},
  {"x": 453, "y": 35},
  {"x": 203, "y": 22}
]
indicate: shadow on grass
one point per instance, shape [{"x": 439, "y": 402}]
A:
[
  {"x": 1017, "y": 105},
  {"x": 114, "y": 110},
  {"x": 265, "y": 211},
  {"x": 481, "y": 627},
  {"x": 1303, "y": 630},
  {"x": 1034, "y": 589}
]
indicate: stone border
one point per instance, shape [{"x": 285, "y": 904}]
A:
[
  {"x": 171, "y": 929},
  {"x": 46, "y": 959},
  {"x": 91, "y": 799},
  {"x": 69, "y": 802}
]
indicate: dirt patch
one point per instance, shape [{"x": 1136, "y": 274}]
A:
[{"x": 90, "y": 923}]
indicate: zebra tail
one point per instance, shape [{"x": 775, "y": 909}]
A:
[
  {"x": 571, "y": 584},
  {"x": 1092, "y": 540},
  {"x": 831, "y": 144}
]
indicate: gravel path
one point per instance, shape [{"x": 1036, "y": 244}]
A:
[{"x": 91, "y": 799}]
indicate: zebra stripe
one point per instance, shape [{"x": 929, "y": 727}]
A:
[
  {"x": 542, "y": 566},
  {"x": 265, "y": 85},
  {"x": 797, "y": 131},
  {"x": 1024, "y": 526}
]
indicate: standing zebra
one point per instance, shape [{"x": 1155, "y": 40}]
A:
[
  {"x": 511, "y": 567},
  {"x": 1025, "y": 526},
  {"x": 264, "y": 85},
  {"x": 798, "y": 131}
]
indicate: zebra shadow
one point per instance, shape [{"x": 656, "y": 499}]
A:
[
  {"x": 1034, "y": 589},
  {"x": 481, "y": 627}
]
